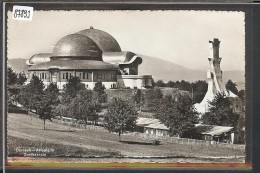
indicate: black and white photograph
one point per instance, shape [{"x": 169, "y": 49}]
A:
[{"x": 126, "y": 86}]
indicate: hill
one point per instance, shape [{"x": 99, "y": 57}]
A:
[
  {"x": 18, "y": 65},
  {"x": 165, "y": 70},
  {"x": 160, "y": 69}
]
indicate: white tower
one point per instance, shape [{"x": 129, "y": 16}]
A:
[{"x": 214, "y": 78}]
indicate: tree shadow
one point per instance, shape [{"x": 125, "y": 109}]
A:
[
  {"x": 138, "y": 143},
  {"x": 56, "y": 130}
]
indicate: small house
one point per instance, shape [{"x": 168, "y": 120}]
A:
[{"x": 151, "y": 126}]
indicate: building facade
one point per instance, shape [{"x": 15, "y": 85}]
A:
[{"x": 92, "y": 55}]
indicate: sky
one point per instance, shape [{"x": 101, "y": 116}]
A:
[{"x": 180, "y": 37}]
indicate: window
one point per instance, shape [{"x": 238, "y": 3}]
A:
[
  {"x": 63, "y": 76},
  {"x": 70, "y": 75},
  {"x": 99, "y": 76},
  {"x": 80, "y": 75},
  {"x": 42, "y": 75},
  {"x": 67, "y": 75},
  {"x": 83, "y": 75},
  {"x": 87, "y": 75}
]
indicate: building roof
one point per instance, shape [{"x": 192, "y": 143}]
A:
[
  {"x": 105, "y": 41},
  {"x": 74, "y": 65},
  {"x": 39, "y": 58},
  {"x": 74, "y": 45},
  {"x": 151, "y": 123},
  {"x": 158, "y": 125},
  {"x": 121, "y": 58},
  {"x": 212, "y": 130}
]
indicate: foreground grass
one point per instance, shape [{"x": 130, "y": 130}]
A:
[
  {"x": 68, "y": 142},
  {"x": 58, "y": 150}
]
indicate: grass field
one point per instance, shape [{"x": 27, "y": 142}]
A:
[{"x": 68, "y": 142}]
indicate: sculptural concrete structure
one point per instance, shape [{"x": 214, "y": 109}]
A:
[{"x": 215, "y": 82}]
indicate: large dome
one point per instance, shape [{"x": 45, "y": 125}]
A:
[
  {"x": 105, "y": 41},
  {"x": 76, "y": 45}
]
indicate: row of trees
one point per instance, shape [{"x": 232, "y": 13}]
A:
[
  {"x": 74, "y": 101},
  {"x": 14, "y": 84},
  {"x": 199, "y": 88}
]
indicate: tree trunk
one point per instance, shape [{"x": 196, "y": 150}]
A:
[{"x": 119, "y": 137}]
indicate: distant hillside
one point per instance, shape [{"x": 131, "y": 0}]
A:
[
  {"x": 18, "y": 65},
  {"x": 165, "y": 70},
  {"x": 160, "y": 69}
]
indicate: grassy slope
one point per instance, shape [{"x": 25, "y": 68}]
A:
[{"x": 24, "y": 131}]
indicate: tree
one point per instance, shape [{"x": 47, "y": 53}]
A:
[
  {"x": 160, "y": 83},
  {"x": 170, "y": 84},
  {"x": 100, "y": 91},
  {"x": 177, "y": 113},
  {"x": 84, "y": 107},
  {"x": 183, "y": 85},
  {"x": 241, "y": 95},
  {"x": 21, "y": 78},
  {"x": 72, "y": 87},
  {"x": 12, "y": 89},
  {"x": 60, "y": 110},
  {"x": 120, "y": 117},
  {"x": 49, "y": 99},
  {"x": 138, "y": 98},
  {"x": 11, "y": 77},
  {"x": 240, "y": 129},
  {"x": 231, "y": 86},
  {"x": 220, "y": 112},
  {"x": 199, "y": 89},
  {"x": 152, "y": 99},
  {"x": 31, "y": 93}
]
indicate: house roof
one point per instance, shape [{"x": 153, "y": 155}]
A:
[
  {"x": 151, "y": 123},
  {"x": 74, "y": 65},
  {"x": 212, "y": 130},
  {"x": 158, "y": 125}
]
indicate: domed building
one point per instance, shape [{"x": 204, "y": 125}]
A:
[{"x": 92, "y": 55}]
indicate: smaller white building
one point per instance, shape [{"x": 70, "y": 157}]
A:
[{"x": 152, "y": 126}]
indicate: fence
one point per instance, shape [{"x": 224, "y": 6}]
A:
[
  {"x": 192, "y": 141},
  {"x": 77, "y": 124}
]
